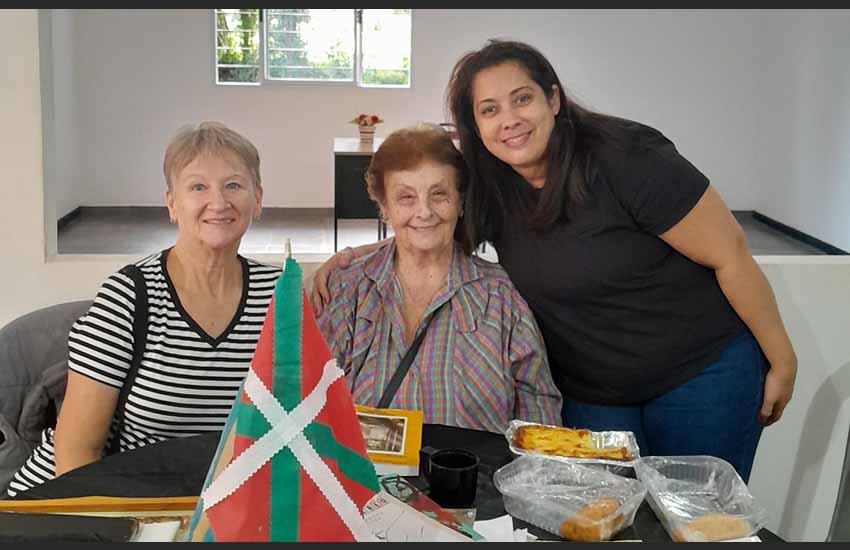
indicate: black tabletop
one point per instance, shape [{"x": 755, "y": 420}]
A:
[{"x": 178, "y": 467}]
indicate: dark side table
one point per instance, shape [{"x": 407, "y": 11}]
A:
[{"x": 351, "y": 200}]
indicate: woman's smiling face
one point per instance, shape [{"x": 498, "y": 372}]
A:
[
  {"x": 423, "y": 205},
  {"x": 214, "y": 200},
  {"x": 514, "y": 117}
]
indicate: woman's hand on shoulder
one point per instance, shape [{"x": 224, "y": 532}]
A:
[
  {"x": 778, "y": 389},
  {"x": 320, "y": 295}
]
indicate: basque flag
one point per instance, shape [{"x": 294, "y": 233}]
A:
[{"x": 291, "y": 464}]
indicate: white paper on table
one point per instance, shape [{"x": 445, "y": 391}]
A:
[
  {"x": 522, "y": 535},
  {"x": 501, "y": 529},
  {"x": 391, "y": 520},
  {"x": 753, "y": 538},
  {"x": 162, "y": 531}
]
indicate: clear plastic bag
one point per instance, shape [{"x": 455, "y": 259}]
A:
[
  {"x": 699, "y": 498},
  {"x": 568, "y": 499},
  {"x": 599, "y": 439}
]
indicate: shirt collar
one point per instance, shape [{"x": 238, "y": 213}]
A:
[{"x": 467, "y": 301}]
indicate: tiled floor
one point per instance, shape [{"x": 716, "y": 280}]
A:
[{"x": 138, "y": 230}]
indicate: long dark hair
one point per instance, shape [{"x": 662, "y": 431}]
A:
[{"x": 495, "y": 190}]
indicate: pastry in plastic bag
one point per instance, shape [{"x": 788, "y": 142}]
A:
[
  {"x": 577, "y": 502},
  {"x": 713, "y": 527},
  {"x": 565, "y": 442},
  {"x": 700, "y": 498},
  {"x": 595, "y": 521}
]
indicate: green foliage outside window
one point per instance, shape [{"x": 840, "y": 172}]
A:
[
  {"x": 237, "y": 41},
  {"x": 397, "y": 77},
  {"x": 287, "y": 55}
]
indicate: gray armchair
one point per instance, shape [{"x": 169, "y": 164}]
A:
[{"x": 33, "y": 374}]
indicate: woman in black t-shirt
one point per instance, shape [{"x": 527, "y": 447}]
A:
[{"x": 656, "y": 318}]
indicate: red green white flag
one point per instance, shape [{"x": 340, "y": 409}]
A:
[{"x": 291, "y": 464}]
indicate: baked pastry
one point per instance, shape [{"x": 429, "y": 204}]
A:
[
  {"x": 570, "y": 442},
  {"x": 713, "y": 527},
  {"x": 596, "y": 521}
]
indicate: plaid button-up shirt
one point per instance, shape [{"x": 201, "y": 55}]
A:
[{"x": 482, "y": 361}]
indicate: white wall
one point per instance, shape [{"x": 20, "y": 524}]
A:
[
  {"x": 61, "y": 96},
  {"x": 799, "y": 459},
  {"x": 28, "y": 279},
  {"x": 142, "y": 73},
  {"x": 146, "y": 72},
  {"x": 807, "y": 112}
]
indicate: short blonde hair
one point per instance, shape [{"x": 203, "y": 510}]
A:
[{"x": 209, "y": 138}]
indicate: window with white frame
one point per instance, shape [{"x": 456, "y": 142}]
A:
[{"x": 369, "y": 47}]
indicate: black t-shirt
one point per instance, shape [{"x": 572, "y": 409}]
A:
[{"x": 625, "y": 317}]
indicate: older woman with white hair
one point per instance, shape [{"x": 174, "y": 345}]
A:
[{"x": 163, "y": 349}]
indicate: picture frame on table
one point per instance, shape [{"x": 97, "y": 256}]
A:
[{"x": 393, "y": 439}]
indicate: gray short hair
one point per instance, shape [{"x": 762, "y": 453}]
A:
[{"x": 208, "y": 138}]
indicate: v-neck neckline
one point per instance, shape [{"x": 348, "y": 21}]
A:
[{"x": 212, "y": 341}]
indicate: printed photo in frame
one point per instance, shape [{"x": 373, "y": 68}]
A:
[{"x": 383, "y": 433}]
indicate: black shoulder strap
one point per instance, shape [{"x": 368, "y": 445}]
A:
[
  {"x": 404, "y": 366},
  {"x": 140, "y": 330}
]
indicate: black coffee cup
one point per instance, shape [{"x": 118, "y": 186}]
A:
[{"x": 452, "y": 476}]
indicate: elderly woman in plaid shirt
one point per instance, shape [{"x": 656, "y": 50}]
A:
[{"x": 481, "y": 360}]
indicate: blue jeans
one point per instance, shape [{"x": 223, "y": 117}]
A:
[{"x": 715, "y": 413}]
